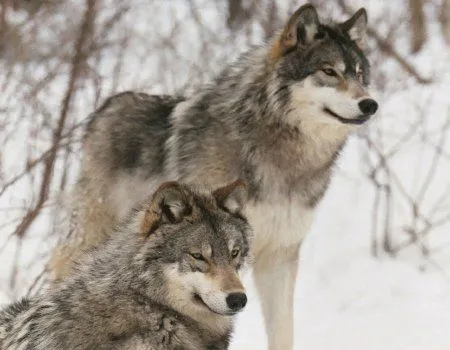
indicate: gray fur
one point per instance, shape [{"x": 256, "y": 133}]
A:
[
  {"x": 277, "y": 118},
  {"x": 121, "y": 295}
]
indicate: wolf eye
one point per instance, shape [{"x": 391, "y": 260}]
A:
[
  {"x": 197, "y": 256},
  {"x": 358, "y": 72},
  {"x": 234, "y": 253},
  {"x": 359, "y": 76},
  {"x": 330, "y": 72}
]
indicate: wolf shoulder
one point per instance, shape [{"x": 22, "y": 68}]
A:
[{"x": 29, "y": 324}]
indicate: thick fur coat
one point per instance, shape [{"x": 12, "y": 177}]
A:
[
  {"x": 167, "y": 278},
  {"x": 277, "y": 118}
]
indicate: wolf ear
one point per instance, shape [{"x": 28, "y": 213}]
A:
[
  {"x": 301, "y": 29},
  {"x": 356, "y": 26},
  {"x": 169, "y": 204},
  {"x": 232, "y": 197}
]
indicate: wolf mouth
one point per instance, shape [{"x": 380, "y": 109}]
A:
[
  {"x": 198, "y": 300},
  {"x": 359, "y": 120}
]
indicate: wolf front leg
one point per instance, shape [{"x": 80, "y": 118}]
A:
[{"x": 275, "y": 272}]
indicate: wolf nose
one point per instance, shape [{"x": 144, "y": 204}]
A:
[
  {"x": 236, "y": 301},
  {"x": 368, "y": 106}
]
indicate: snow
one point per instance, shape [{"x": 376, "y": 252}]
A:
[{"x": 345, "y": 299}]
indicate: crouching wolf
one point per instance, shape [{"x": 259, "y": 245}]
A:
[
  {"x": 276, "y": 118},
  {"x": 166, "y": 279}
]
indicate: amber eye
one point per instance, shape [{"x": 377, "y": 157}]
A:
[
  {"x": 359, "y": 76},
  {"x": 330, "y": 72},
  {"x": 198, "y": 256},
  {"x": 358, "y": 72},
  {"x": 234, "y": 253}
]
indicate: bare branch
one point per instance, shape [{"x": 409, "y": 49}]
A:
[
  {"x": 444, "y": 18},
  {"x": 418, "y": 25},
  {"x": 49, "y": 162}
]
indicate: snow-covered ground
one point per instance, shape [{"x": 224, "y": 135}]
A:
[{"x": 347, "y": 300}]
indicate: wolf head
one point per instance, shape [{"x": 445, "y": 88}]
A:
[
  {"x": 201, "y": 241},
  {"x": 324, "y": 68}
]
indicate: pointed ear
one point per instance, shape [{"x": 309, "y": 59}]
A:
[
  {"x": 301, "y": 29},
  {"x": 232, "y": 197},
  {"x": 169, "y": 204},
  {"x": 356, "y": 27}
]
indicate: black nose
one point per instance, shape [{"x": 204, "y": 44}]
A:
[
  {"x": 368, "y": 106},
  {"x": 236, "y": 301}
]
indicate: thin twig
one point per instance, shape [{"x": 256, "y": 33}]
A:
[{"x": 49, "y": 162}]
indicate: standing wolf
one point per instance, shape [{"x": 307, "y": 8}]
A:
[
  {"x": 167, "y": 279},
  {"x": 276, "y": 118}
]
